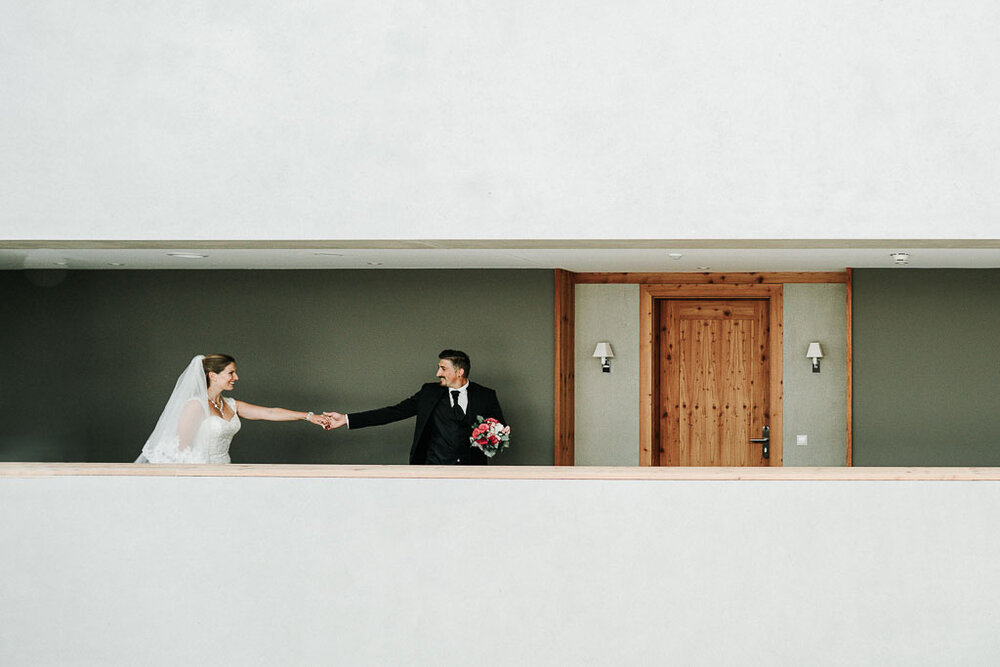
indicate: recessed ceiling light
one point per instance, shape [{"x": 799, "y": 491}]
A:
[
  {"x": 187, "y": 255},
  {"x": 329, "y": 254},
  {"x": 703, "y": 268},
  {"x": 115, "y": 264},
  {"x": 675, "y": 255},
  {"x": 374, "y": 263},
  {"x": 60, "y": 263}
]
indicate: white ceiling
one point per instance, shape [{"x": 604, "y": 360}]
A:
[{"x": 584, "y": 256}]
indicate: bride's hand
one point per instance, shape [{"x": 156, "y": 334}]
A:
[{"x": 318, "y": 420}]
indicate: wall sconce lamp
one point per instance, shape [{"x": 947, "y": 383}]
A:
[
  {"x": 815, "y": 353},
  {"x": 603, "y": 350}
]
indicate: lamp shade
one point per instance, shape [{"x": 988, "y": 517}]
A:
[
  {"x": 814, "y": 352},
  {"x": 603, "y": 350}
]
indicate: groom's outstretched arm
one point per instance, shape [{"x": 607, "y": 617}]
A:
[{"x": 392, "y": 413}]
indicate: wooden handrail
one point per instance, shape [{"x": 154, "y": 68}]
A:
[{"x": 831, "y": 474}]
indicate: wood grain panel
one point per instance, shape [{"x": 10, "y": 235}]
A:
[
  {"x": 656, "y": 446},
  {"x": 565, "y": 375},
  {"x": 714, "y": 381},
  {"x": 649, "y": 434},
  {"x": 669, "y": 405},
  {"x": 697, "y": 291},
  {"x": 776, "y": 353},
  {"x": 765, "y": 278}
]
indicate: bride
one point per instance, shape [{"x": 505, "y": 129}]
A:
[{"x": 198, "y": 422}]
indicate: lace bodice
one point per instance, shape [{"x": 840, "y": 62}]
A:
[
  {"x": 215, "y": 435},
  {"x": 209, "y": 445}
]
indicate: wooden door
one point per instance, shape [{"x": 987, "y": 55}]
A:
[{"x": 713, "y": 381}]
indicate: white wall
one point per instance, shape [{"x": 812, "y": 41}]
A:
[
  {"x": 166, "y": 571},
  {"x": 360, "y": 120}
]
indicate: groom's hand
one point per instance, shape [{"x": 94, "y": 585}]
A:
[
  {"x": 322, "y": 421},
  {"x": 334, "y": 420}
]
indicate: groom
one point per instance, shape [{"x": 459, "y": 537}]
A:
[{"x": 446, "y": 412}]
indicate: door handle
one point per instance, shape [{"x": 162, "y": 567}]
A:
[{"x": 765, "y": 441}]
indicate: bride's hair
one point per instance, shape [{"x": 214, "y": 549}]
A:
[{"x": 215, "y": 363}]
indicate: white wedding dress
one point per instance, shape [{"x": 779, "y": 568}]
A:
[
  {"x": 188, "y": 431},
  {"x": 209, "y": 445},
  {"x": 218, "y": 435}
]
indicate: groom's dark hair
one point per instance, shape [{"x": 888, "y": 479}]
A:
[{"x": 458, "y": 359}]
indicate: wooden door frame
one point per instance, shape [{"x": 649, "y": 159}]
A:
[
  {"x": 565, "y": 281},
  {"x": 649, "y": 294},
  {"x": 564, "y": 423}
]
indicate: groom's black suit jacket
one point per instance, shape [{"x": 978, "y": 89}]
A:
[{"x": 482, "y": 403}]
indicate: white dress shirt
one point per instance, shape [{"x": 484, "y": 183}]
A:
[{"x": 463, "y": 397}]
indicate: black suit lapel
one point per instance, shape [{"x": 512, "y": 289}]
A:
[{"x": 471, "y": 414}]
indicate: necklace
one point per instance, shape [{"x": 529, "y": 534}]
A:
[{"x": 217, "y": 404}]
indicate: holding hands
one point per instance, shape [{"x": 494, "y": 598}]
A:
[
  {"x": 319, "y": 420},
  {"x": 334, "y": 420}
]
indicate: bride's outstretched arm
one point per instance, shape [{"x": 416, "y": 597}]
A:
[{"x": 251, "y": 411}]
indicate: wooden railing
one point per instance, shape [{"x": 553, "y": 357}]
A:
[{"x": 36, "y": 470}]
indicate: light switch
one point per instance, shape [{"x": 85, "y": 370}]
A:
[{"x": 802, "y": 440}]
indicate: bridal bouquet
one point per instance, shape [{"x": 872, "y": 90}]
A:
[{"x": 490, "y": 436}]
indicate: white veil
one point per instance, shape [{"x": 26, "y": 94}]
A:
[{"x": 175, "y": 438}]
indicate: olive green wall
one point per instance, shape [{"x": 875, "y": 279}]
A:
[
  {"x": 926, "y": 381},
  {"x": 88, "y": 358}
]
